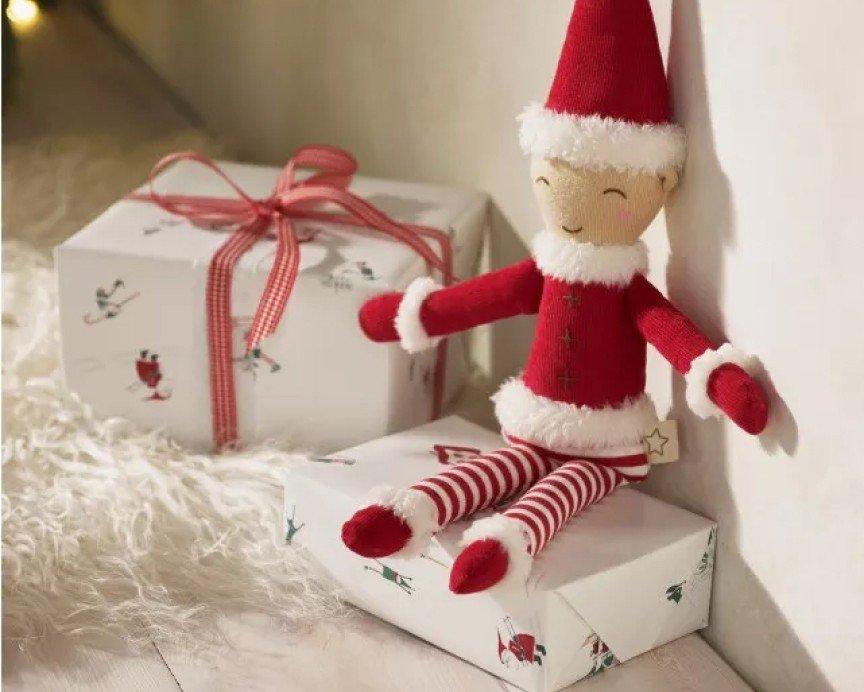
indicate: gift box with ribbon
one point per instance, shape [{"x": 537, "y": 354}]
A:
[
  {"x": 220, "y": 300},
  {"x": 627, "y": 575}
]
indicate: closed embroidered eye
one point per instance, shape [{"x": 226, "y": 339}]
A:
[
  {"x": 615, "y": 191},
  {"x": 542, "y": 179}
]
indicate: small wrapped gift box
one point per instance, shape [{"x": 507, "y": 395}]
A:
[
  {"x": 137, "y": 319},
  {"x": 629, "y": 574}
]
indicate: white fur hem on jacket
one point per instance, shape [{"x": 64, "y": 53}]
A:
[
  {"x": 512, "y": 536},
  {"x": 409, "y": 326},
  {"x": 570, "y": 429},
  {"x": 415, "y": 509},
  {"x": 601, "y": 142},
  {"x": 611, "y": 265},
  {"x": 700, "y": 371}
]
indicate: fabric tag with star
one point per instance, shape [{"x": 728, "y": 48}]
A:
[{"x": 661, "y": 442}]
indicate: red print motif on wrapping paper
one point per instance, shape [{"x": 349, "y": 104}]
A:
[
  {"x": 520, "y": 648},
  {"x": 599, "y": 653},
  {"x": 149, "y": 371},
  {"x": 252, "y": 220},
  {"x": 452, "y": 454}
]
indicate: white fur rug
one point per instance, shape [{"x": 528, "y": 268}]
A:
[{"x": 107, "y": 529}]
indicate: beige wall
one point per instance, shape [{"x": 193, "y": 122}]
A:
[{"x": 765, "y": 234}]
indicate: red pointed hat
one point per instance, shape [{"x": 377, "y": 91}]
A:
[{"x": 609, "y": 101}]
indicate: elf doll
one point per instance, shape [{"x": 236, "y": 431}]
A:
[{"x": 605, "y": 157}]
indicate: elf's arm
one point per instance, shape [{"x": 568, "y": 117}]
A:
[
  {"x": 421, "y": 316},
  {"x": 717, "y": 378}
]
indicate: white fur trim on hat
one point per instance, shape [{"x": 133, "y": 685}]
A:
[
  {"x": 600, "y": 142},
  {"x": 611, "y": 265},
  {"x": 415, "y": 508},
  {"x": 409, "y": 327},
  {"x": 570, "y": 429},
  {"x": 512, "y": 536},
  {"x": 700, "y": 371}
]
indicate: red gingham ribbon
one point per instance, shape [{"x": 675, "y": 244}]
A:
[{"x": 252, "y": 219}]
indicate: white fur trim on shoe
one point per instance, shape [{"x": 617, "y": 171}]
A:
[
  {"x": 700, "y": 371},
  {"x": 601, "y": 142},
  {"x": 415, "y": 509},
  {"x": 570, "y": 429},
  {"x": 512, "y": 536},
  {"x": 611, "y": 265},
  {"x": 409, "y": 327}
]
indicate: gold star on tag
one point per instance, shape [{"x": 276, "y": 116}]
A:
[
  {"x": 655, "y": 442},
  {"x": 660, "y": 442}
]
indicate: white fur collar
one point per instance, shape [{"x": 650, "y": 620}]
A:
[{"x": 611, "y": 265}]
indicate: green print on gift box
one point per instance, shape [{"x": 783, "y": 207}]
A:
[
  {"x": 291, "y": 526},
  {"x": 391, "y": 575},
  {"x": 675, "y": 592},
  {"x": 344, "y": 461},
  {"x": 600, "y": 654},
  {"x": 251, "y": 361},
  {"x": 342, "y": 278},
  {"x": 109, "y": 302}
]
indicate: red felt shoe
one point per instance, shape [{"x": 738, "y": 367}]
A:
[
  {"x": 480, "y": 566},
  {"x": 495, "y": 554},
  {"x": 375, "y": 531},
  {"x": 396, "y": 521}
]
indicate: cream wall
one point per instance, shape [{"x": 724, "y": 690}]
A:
[{"x": 765, "y": 234}]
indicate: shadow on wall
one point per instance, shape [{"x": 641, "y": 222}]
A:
[
  {"x": 747, "y": 627},
  {"x": 511, "y": 338},
  {"x": 500, "y": 345}
]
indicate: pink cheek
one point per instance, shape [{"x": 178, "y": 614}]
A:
[{"x": 625, "y": 215}]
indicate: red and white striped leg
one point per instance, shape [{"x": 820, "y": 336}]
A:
[
  {"x": 501, "y": 548},
  {"x": 403, "y": 521}
]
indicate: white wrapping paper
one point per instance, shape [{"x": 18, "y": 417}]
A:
[
  {"x": 628, "y": 575},
  {"x": 132, "y": 302}
]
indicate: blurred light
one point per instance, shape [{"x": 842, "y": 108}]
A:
[{"x": 22, "y": 13}]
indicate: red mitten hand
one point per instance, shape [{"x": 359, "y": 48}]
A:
[
  {"x": 377, "y": 317},
  {"x": 739, "y": 396}
]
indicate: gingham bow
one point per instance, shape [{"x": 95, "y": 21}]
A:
[{"x": 291, "y": 200}]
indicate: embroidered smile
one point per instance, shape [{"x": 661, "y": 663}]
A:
[{"x": 574, "y": 231}]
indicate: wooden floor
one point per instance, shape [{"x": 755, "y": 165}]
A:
[
  {"x": 84, "y": 125},
  {"x": 365, "y": 654}
]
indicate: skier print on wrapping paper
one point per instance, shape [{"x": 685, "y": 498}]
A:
[
  {"x": 251, "y": 361},
  {"x": 291, "y": 526},
  {"x": 108, "y": 303},
  {"x": 520, "y": 649},
  {"x": 344, "y": 461},
  {"x": 392, "y": 576},
  {"x": 605, "y": 156},
  {"x": 340, "y": 279},
  {"x": 676, "y": 592},
  {"x": 149, "y": 371}
]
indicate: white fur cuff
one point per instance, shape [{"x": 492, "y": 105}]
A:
[
  {"x": 571, "y": 429},
  {"x": 409, "y": 327},
  {"x": 700, "y": 371},
  {"x": 601, "y": 142},
  {"x": 512, "y": 536},
  {"x": 415, "y": 509}
]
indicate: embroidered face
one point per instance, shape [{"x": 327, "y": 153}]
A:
[{"x": 600, "y": 206}]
